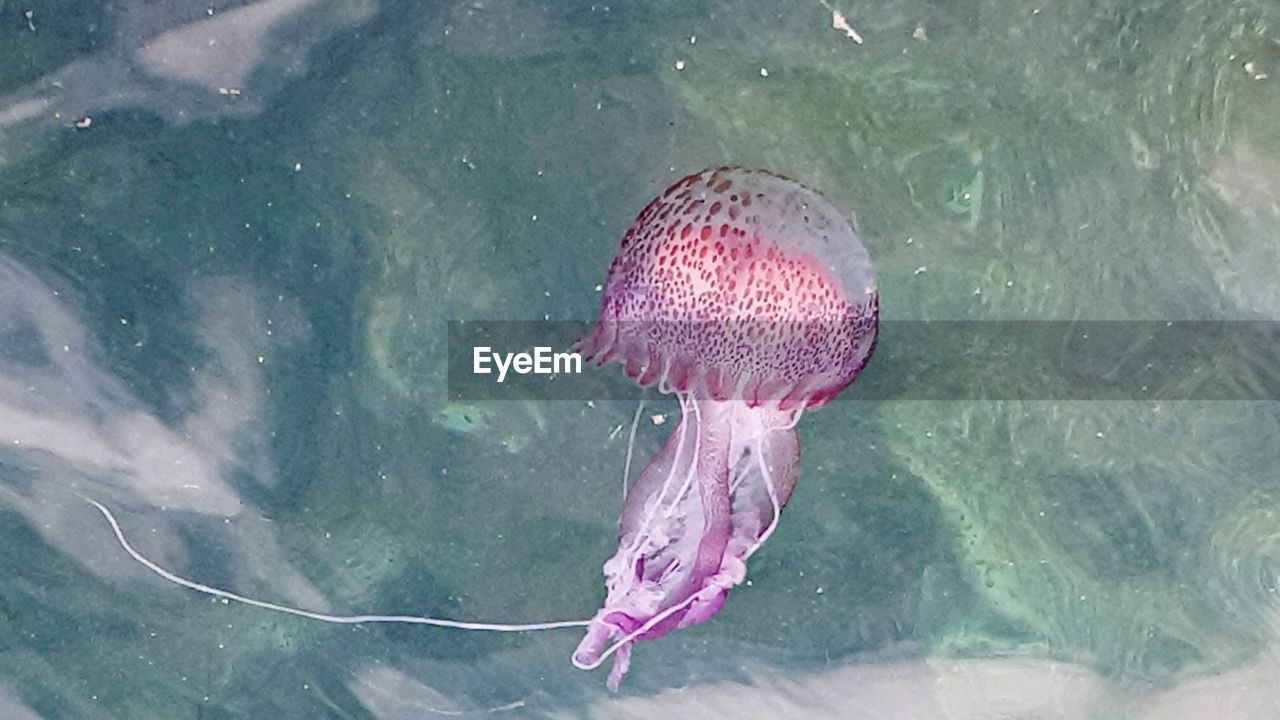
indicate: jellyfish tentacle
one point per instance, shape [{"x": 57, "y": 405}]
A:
[
  {"x": 311, "y": 614},
  {"x": 676, "y": 461},
  {"x": 778, "y": 460},
  {"x": 631, "y": 446}
]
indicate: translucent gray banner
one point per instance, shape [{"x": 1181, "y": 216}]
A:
[{"x": 1023, "y": 360}]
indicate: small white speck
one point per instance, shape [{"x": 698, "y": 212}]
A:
[
  {"x": 534, "y": 217},
  {"x": 658, "y": 419},
  {"x": 599, "y": 288},
  {"x": 1099, "y": 435},
  {"x": 693, "y": 39},
  {"x": 977, "y": 291},
  {"x": 297, "y": 167},
  {"x": 679, "y": 65},
  {"x": 261, "y": 359},
  {"x": 764, "y": 72},
  {"x": 1009, "y": 284},
  {"x": 920, "y": 270}
]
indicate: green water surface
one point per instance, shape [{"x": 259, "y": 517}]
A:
[{"x": 223, "y": 309}]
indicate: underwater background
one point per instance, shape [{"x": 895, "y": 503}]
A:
[{"x": 231, "y": 235}]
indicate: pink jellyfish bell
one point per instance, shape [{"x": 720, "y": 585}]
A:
[{"x": 751, "y": 298}]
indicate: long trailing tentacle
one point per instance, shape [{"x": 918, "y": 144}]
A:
[
  {"x": 631, "y": 446},
  {"x": 769, "y": 484},
  {"x": 773, "y": 500},
  {"x": 324, "y": 617}
]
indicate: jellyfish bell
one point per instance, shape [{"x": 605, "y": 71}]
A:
[
  {"x": 751, "y": 298},
  {"x": 743, "y": 284}
]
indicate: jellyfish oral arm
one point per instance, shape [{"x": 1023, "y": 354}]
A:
[
  {"x": 715, "y": 422},
  {"x": 699, "y": 510}
]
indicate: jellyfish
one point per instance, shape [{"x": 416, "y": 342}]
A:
[
  {"x": 748, "y": 296},
  {"x": 751, "y": 298}
]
